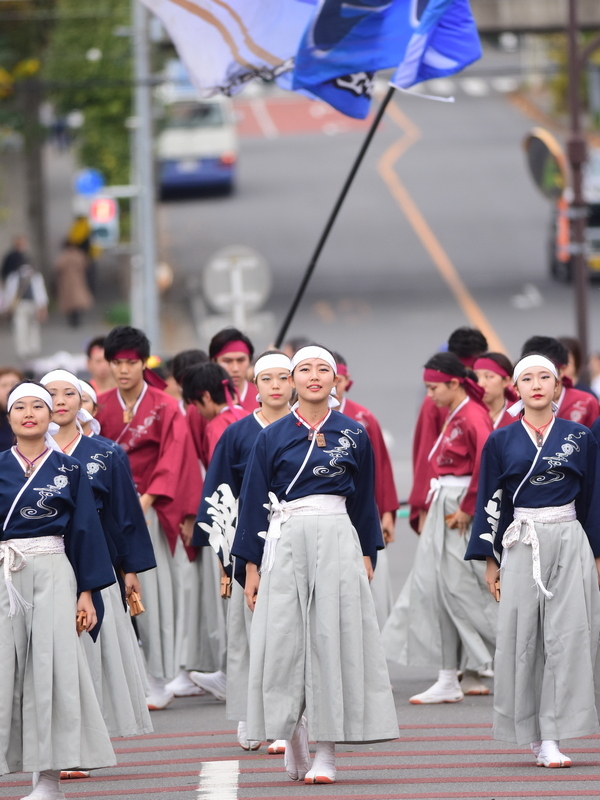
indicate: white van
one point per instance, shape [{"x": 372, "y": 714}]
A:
[{"x": 197, "y": 146}]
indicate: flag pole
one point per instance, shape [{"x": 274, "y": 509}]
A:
[{"x": 332, "y": 217}]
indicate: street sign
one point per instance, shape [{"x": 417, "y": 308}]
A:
[
  {"x": 547, "y": 163},
  {"x": 104, "y": 220},
  {"x": 237, "y": 280},
  {"x": 89, "y": 181}
]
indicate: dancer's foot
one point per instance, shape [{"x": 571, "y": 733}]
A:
[
  {"x": 471, "y": 684},
  {"x": 445, "y": 690},
  {"x": 535, "y": 747},
  {"x": 159, "y": 696},
  {"x": 323, "y": 767},
  {"x": 244, "y": 742},
  {"x": 277, "y": 747},
  {"x": 213, "y": 682},
  {"x": 550, "y": 756},
  {"x": 297, "y": 754},
  {"x": 183, "y": 686},
  {"x": 47, "y": 787},
  {"x": 71, "y": 774}
]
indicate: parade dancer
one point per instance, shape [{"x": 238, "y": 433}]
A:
[
  {"x": 55, "y": 556},
  {"x": 467, "y": 344},
  {"x": 116, "y": 667},
  {"x": 233, "y": 351},
  {"x": 149, "y": 426},
  {"x": 494, "y": 375},
  {"x": 572, "y": 403},
  {"x": 210, "y": 391},
  {"x": 444, "y": 614},
  {"x": 217, "y": 519},
  {"x": 315, "y": 643},
  {"x": 538, "y": 516},
  {"x": 386, "y": 495}
]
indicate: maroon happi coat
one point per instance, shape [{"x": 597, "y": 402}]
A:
[{"x": 161, "y": 453}]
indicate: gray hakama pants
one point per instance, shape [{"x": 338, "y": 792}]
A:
[
  {"x": 381, "y": 587},
  {"x": 445, "y": 616},
  {"x": 117, "y": 670},
  {"x": 546, "y": 668},
  {"x": 315, "y": 642},
  {"x": 163, "y": 625},
  {"x": 239, "y": 622},
  {"x": 49, "y": 713},
  {"x": 206, "y": 644}
]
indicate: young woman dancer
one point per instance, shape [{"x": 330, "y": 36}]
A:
[
  {"x": 444, "y": 614},
  {"x": 114, "y": 660},
  {"x": 538, "y": 515},
  {"x": 54, "y": 556},
  {"x": 494, "y": 375},
  {"x": 217, "y": 521},
  {"x": 315, "y": 642}
]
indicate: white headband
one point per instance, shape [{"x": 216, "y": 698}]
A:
[
  {"x": 527, "y": 363},
  {"x": 61, "y": 375},
  {"x": 29, "y": 390},
  {"x": 313, "y": 351},
  {"x": 89, "y": 390},
  {"x": 272, "y": 361},
  {"x": 533, "y": 361}
]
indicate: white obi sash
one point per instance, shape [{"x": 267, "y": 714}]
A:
[
  {"x": 13, "y": 558},
  {"x": 530, "y": 516},
  {"x": 309, "y": 506},
  {"x": 436, "y": 484}
]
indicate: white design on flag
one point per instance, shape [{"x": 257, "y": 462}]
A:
[
  {"x": 223, "y": 511},
  {"x": 219, "y": 780},
  {"x": 226, "y": 43}
]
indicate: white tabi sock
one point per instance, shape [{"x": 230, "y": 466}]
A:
[
  {"x": 323, "y": 768},
  {"x": 48, "y": 787},
  {"x": 448, "y": 679},
  {"x": 297, "y": 754}
]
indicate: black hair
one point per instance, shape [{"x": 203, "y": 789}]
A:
[
  {"x": 546, "y": 346},
  {"x": 502, "y": 361},
  {"x": 297, "y": 343},
  {"x": 35, "y": 383},
  {"x": 209, "y": 377},
  {"x": 467, "y": 342},
  {"x": 339, "y": 358},
  {"x": 220, "y": 339},
  {"x": 182, "y": 361},
  {"x": 124, "y": 337},
  {"x": 97, "y": 341},
  {"x": 450, "y": 364},
  {"x": 573, "y": 345}
]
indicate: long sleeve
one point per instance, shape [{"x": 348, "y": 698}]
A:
[
  {"x": 587, "y": 503},
  {"x": 488, "y": 514},
  {"x": 361, "y": 505},
  {"x": 427, "y": 429},
  {"x": 85, "y": 544},
  {"x": 253, "y": 513},
  {"x": 477, "y": 435},
  {"x": 125, "y": 509}
]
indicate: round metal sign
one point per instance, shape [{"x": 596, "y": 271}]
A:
[{"x": 236, "y": 276}]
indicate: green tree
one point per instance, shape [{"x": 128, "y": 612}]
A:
[{"x": 89, "y": 68}]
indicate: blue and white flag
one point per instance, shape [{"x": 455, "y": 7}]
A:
[
  {"x": 347, "y": 41},
  {"x": 224, "y": 44}
]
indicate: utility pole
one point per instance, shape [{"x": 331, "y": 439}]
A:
[
  {"x": 577, "y": 154},
  {"x": 145, "y": 284}
]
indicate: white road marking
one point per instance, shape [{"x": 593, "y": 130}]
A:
[
  {"x": 262, "y": 116},
  {"x": 442, "y": 86},
  {"x": 476, "y": 87},
  {"x": 505, "y": 83},
  {"x": 219, "y": 780}
]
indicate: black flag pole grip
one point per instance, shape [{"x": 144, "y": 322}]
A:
[{"x": 332, "y": 218}]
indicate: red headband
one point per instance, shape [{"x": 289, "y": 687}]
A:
[
  {"x": 474, "y": 391},
  {"x": 149, "y": 375},
  {"x": 491, "y": 365},
  {"x": 342, "y": 369},
  {"x": 467, "y": 361},
  {"x": 236, "y": 346}
]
